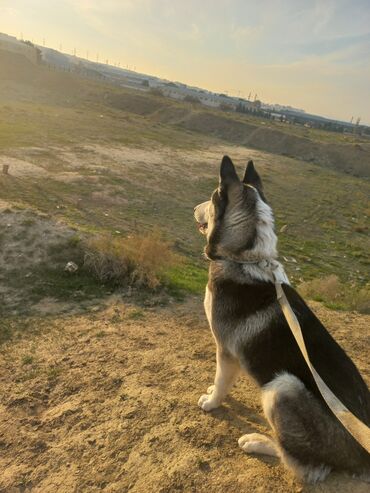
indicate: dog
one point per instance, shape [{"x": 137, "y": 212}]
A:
[{"x": 252, "y": 336}]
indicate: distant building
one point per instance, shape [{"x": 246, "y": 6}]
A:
[{"x": 277, "y": 117}]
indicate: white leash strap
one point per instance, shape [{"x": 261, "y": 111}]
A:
[{"x": 357, "y": 428}]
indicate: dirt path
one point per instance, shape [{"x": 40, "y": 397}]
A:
[{"x": 107, "y": 402}]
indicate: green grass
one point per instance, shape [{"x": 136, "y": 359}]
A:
[
  {"x": 14, "y": 326},
  {"x": 186, "y": 278},
  {"x": 136, "y": 314},
  {"x": 53, "y": 372},
  {"x": 27, "y": 359},
  {"x": 55, "y": 283},
  {"x": 100, "y": 334}
]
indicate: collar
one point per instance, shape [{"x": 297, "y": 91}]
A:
[
  {"x": 271, "y": 267},
  {"x": 262, "y": 263}
]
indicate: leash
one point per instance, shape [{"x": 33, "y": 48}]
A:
[{"x": 358, "y": 429}]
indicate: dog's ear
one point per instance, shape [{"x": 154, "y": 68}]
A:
[
  {"x": 228, "y": 174},
  {"x": 251, "y": 177}
]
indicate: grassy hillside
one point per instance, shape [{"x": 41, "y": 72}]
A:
[
  {"x": 106, "y": 160},
  {"x": 45, "y": 97}
]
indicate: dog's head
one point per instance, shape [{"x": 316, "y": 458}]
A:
[{"x": 237, "y": 220}]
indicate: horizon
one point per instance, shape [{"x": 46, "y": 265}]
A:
[{"x": 309, "y": 55}]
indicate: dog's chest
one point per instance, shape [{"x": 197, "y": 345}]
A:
[
  {"x": 208, "y": 306},
  {"x": 232, "y": 327},
  {"x": 219, "y": 335}
]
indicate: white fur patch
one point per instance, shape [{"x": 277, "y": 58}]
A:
[
  {"x": 208, "y": 306},
  {"x": 283, "y": 383},
  {"x": 265, "y": 248},
  {"x": 207, "y": 402},
  {"x": 255, "y": 443},
  {"x": 210, "y": 389},
  {"x": 226, "y": 372}
]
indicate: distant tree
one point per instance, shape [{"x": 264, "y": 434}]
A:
[
  {"x": 191, "y": 99},
  {"x": 225, "y": 107},
  {"x": 156, "y": 91}
]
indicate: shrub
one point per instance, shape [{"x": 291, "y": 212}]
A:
[
  {"x": 359, "y": 300},
  {"x": 191, "y": 99},
  {"x": 328, "y": 288},
  {"x": 225, "y": 107},
  {"x": 139, "y": 260},
  {"x": 156, "y": 92},
  {"x": 331, "y": 291}
]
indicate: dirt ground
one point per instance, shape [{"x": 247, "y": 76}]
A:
[{"x": 107, "y": 401}]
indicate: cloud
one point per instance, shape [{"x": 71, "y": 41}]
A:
[{"x": 245, "y": 34}]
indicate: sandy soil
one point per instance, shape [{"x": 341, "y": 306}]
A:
[
  {"x": 19, "y": 167},
  {"x": 106, "y": 401},
  {"x": 25, "y": 237}
]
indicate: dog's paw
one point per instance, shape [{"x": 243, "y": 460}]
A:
[
  {"x": 210, "y": 389},
  {"x": 207, "y": 403},
  {"x": 255, "y": 443}
]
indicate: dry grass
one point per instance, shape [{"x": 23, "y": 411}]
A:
[
  {"x": 139, "y": 260},
  {"x": 328, "y": 288},
  {"x": 336, "y": 294}
]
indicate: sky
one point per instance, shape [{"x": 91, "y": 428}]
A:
[{"x": 310, "y": 54}]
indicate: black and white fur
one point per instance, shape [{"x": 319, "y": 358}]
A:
[{"x": 252, "y": 335}]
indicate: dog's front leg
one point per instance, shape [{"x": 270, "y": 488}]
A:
[{"x": 226, "y": 372}]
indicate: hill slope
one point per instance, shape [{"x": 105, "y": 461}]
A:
[{"x": 22, "y": 81}]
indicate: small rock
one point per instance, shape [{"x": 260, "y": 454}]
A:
[
  {"x": 71, "y": 267},
  {"x": 204, "y": 466}
]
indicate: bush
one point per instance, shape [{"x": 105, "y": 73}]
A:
[
  {"x": 139, "y": 260},
  {"x": 226, "y": 107},
  {"x": 331, "y": 291},
  {"x": 325, "y": 289},
  {"x": 156, "y": 92},
  {"x": 191, "y": 99},
  {"x": 359, "y": 300}
]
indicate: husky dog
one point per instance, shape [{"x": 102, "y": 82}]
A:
[{"x": 252, "y": 335}]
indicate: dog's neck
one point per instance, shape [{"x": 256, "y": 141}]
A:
[
  {"x": 251, "y": 272},
  {"x": 246, "y": 272}
]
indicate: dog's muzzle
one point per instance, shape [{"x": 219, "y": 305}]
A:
[{"x": 201, "y": 216}]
